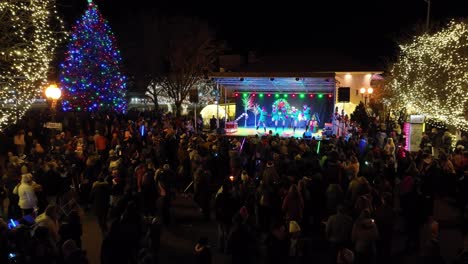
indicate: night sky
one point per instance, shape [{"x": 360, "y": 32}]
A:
[{"x": 359, "y": 28}]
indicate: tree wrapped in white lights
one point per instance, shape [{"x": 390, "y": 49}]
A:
[
  {"x": 27, "y": 44},
  {"x": 431, "y": 75}
]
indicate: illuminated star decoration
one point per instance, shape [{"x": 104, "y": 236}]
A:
[
  {"x": 90, "y": 75},
  {"x": 27, "y": 47},
  {"x": 431, "y": 75}
]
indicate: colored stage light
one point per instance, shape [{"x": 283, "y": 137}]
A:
[
  {"x": 330, "y": 95},
  {"x": 302, "y": 96},
  {"x": 269, "y": 95},
  {"x": 254, "y": 94},
  {"x": 236, "y": 94},
  {"x": 276, "y": 95},
  {"x": 293, "y": 95},
  {"x": 285, "y": 95},
  {"x": 320, "y": 96},
  {"x": 244, "y": 94},
  {"x": 311, "y": 95},
  {"x": 260, "y": 95}
]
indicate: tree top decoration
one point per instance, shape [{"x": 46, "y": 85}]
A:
[
  {"x": 430, "y": 76},
  {"x": 30, "y": 30}
]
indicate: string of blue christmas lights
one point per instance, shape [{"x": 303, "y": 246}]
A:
[{"x": 90, "y": 75}]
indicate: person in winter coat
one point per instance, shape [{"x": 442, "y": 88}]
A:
[
  {"x": 25, "y": 191},
  {"x": 202, "y": 252},
  {"x": 385, "y": 220},
  {"x": 224, "y": 211},
  {"x": 72, "y": 229},
  {"x": 241, "y": 242},
  {"x": 334, "y": 197},
  {"x": 100, "y": 197},
  {"x": 293, "y": 205},
  {"x": 338, "y": 231},
  {"x": 296, "y": 243},
  {"x": 49, "y": 220},
  {"x": 72, "y": 254},
  {"x": 364, "y": 236},
  {"x": 270, "y": 175},
  {"x": 202, "y": 193},
  {"x": 277, "y": 244}
]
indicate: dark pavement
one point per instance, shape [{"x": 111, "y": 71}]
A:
[{"x": 178, "y": 240}]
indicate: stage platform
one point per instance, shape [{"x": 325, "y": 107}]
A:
[{"x": 287, "y": 132}]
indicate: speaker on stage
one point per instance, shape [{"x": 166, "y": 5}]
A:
[
  {"x": 307, "y": 135},
  {"x": 344, "y": 94}
]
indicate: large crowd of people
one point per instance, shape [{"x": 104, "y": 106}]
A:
[{"x": 267, "y": 195}]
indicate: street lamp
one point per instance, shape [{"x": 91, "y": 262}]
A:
[
  {"x": 215, "y": 93},
  {"x": 53, "y": 93},
  {"x": 365, "y": 93}
]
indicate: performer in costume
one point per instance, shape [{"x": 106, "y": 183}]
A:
[
  {"x": 313, "y": 123},
  {"x": 262, "y": 118},
  {"x": 336, "y": 122},
  {"x": 306, "y": 116},
  {"x": 281, "y": 114},
  {"x": 295, "y": 116},
  {"x": 274, "y": 115}
]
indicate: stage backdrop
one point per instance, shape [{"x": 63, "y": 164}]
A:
[{"x": 320, "y": 104}]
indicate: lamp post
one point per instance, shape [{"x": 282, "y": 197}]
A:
[
  {"x": 215, "y": 93},
  {"x": 53, "y": 93},
  {"x": 365, "y": 93}
]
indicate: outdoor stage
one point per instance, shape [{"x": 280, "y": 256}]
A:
[{"x": 287, "y": 132}]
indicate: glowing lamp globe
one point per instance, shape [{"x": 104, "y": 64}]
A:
[
  {"x": 370, "y": 90},
  {"x": 362, "y": 90},
  {"x": 53, "y": 92}
]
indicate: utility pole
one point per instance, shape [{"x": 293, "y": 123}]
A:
[{"x": 428, "y": 15}]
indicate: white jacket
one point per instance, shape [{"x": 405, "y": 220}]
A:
[{"x": 27, "y": 196}]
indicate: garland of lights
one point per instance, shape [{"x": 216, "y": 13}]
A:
[
  {"x": 431, "y": 75},
  {"x": 90, "y": 75},
  {"x": 27, "y": 45}
]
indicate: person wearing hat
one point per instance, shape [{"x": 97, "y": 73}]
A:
[
  {"x": 202, "y": 252},
  {"x": 364, "y": 236},
  {"x": 295, "y": 242},
  {"x": 25, "y": 191},
  {"x": 270, "y": 175}
]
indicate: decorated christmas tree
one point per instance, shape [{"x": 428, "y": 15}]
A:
[{"x": 90, "y": 76}]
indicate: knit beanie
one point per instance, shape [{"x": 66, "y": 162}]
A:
[{"x": 294, "y": 227}]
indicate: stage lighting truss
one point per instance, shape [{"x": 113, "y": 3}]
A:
[{"x": 283, "y": 94}]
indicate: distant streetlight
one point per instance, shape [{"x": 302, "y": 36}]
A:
[
  {"x": 366, "y": 93},
  {"x": 53, "y": 93}
]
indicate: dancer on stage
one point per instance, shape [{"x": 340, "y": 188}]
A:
[
  {"x": 295, "y": 116},
  {"x": 262, "y": 119},
  {"x": 277, "y": 115},
  {"x": 306, "y": 116}
]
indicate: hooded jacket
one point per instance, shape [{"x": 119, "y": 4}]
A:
[{"x": 25, "y": 191}]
